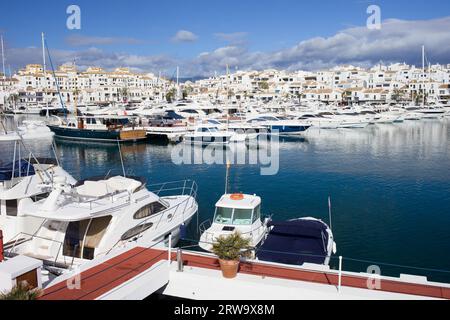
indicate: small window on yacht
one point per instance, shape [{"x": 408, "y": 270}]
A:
[
  {"x": 242, "y": 216},
  {"x": 11, "y": 208},
  {"x": 149, "y": 210},
  {"x": 133, "y": 232},
  {"x": 204, "y": 130},
  {"x": 41, "y": 196},
  {"x": 223, "y": 215},
  {"x": 257, "y": 213}
]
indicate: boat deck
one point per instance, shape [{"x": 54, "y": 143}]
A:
[{"x": 108, "y": 275}]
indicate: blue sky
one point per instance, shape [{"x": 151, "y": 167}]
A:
[{"x": 249, "y": 34}]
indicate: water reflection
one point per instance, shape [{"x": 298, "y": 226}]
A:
[{"x": 390, "y": 184}]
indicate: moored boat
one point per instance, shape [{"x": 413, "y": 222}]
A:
[{"x": 99, "y": 128}]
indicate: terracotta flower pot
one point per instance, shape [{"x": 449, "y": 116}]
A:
[{"x": 229, "y": 268}]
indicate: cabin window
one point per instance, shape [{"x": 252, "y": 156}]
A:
[
  {"x": 242, "y": 216},
  {"x": 41, "y": 196},
  {"x": 149, "y": 210},
  {"x": 82, "y": 237},
  {"x": 257, "y": 213},
  {"x": 133, "y": 232},
  {"x": 223, "y": 215},
  {"x": 11, "y": 208},
  {"x": 94, "y": 235},
  {"x": 73, "y": 240}
]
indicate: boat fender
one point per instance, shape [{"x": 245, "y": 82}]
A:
[{"x": 183, "y": 231}]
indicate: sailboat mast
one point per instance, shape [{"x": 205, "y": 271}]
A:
[
  {"x": 43, "y": 52},
  {"x": 3, "y": 58},
  {"x": 423, "y": 75},
  {"x": 178, "y": 82},
  {"x": 45, "y": 71}
]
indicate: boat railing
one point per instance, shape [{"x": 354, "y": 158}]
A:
[
  {"x": 19, "y": 240},
  {"x": 204, "y": 226},
  {"x": 78, "y": 198},
  {"x": 335, "y": 264},
  {"x": 188, "y": 188}
]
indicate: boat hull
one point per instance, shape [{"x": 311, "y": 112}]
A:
[
  {"x": 288, "y": 129},
  {"x": 98, "y": 135}
]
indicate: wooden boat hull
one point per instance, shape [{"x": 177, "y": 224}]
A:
[{"x": 99, "y": 135}]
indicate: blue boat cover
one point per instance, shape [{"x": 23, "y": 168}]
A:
[
  {"x": 295, "y": 242},
  {"x": 22, "y": 168},
  {"x": 173, "y": 115}
]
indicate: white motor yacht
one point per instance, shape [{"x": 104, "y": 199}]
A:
[
  {"x": 242, "y": 131},
  {"x": 29, "y": 130},
  {"x": 297, "y": 241},
  {"x": 280, "y": 125},
  {"x": 22, "y": 181},
  {"x": 349, "y": 121},
  {"x": 87, "y": 221},
  {"x": 208, "y": 134},
  {"x": 432, "y": 112},
  {"x": 235, "y": 213},
  {"x": 320, "y": 121}
]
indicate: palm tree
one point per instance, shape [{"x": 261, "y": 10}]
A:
[
  {"x": 124, "y": 93},
  {"x": 187, "y": 91},
  {"x": 299, "y": 97},
  {"x": 75, "y": 94},
  {"x": 170, "y": 95},
  {"x": 264, "y": 85},
  {"x": 397, "y": 95}
]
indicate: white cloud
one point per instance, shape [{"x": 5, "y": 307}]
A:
[
  {"x": 184, "y": 36},
  {"x": 397, "y": 41}
]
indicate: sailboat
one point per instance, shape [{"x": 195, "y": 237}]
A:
[
  {"x": 103, "y": 128},
  {"x": 428, "y": 112}
]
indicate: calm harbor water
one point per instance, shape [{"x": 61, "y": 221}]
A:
[{"x": 389, "y": 184}]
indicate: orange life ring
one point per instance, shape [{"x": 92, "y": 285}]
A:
[{"x": 237, "y": 196}]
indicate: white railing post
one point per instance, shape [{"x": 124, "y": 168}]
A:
[
  {"x": 169, "y": 258},
  {"x": 340, "y": 274}
]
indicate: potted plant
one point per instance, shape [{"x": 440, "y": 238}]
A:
[
  {"x": 229, "y": 249},
  {"x": 21, "y": 292}
]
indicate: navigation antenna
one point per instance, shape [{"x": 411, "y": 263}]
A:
[
  {"x": 227, "y": 176},
  {"x": 329, "y": 212},
  {"x": 121, "y": 158}
]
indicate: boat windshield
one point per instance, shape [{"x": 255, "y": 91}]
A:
[
  {"x": 242, "y": 216},
  {"x": 223, "y": 215},
  {"x": 233, "y": 216}
]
